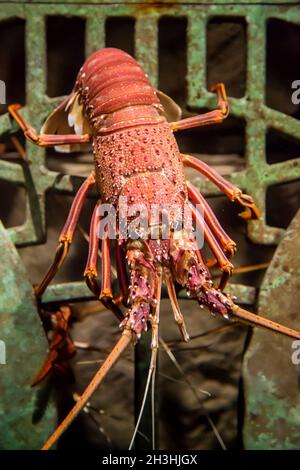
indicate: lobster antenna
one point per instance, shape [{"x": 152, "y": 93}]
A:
[
  {"x": 194, "y": 390},
  {"x": 122, "y": 344},
  {"x": 152, "y": 368},
  {"x": 153, "y": 408},
  {"x": 150, "y": 372},
  {"x": 256, "y": 320}
]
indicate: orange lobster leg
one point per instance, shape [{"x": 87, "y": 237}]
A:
[
  {"x": 223, "y": 262},
  {"x": 61, "y": 346},
  {"x": 228, "y": 245},
  {"x": 203, "y": 264},
  {"x": 212, "y": 117},
  {"x": 231, "y": 191},
  {"x": 106, "y": 295},
  {"x": 66, "y": 236},
  {"x": 106, "y": 290},
  {"x": 122, "y": 273},
  {"x": 45, "y": 140},
  {"x": 175, "y": 305},
  {"x": 90, "y": 272}
]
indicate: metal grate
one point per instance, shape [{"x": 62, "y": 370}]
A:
[{"x": 257, "y": 175}]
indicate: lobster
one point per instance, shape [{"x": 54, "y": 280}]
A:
[{"x": 131, "y": 126}]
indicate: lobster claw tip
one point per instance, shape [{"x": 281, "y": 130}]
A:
[
  {"x": 40, "y": 377},
  {"x": 246, "y": 214},
  {"x": 35, "y": 382},
  {"x": 186, "y": 337},
  {"x": 251, "y": 212}
]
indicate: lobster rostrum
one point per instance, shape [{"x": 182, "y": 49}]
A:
[{"x": 131, "y": 128}]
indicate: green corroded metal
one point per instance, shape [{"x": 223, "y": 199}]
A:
[
  {"x": 164, "y": 2},
  {"x": 271, "y": 380},
  {"x": 63, "y": 292},
  {"x": 26, "y": 347}
]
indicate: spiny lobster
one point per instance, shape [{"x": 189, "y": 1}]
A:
[{"x": 130, "y": 126}]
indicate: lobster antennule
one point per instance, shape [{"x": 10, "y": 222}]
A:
[
  {"x": 153, "y": 362},
  {"x": 175, "y": 306},
  {"x": 124, "y": 341}
]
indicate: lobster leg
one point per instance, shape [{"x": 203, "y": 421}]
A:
[
  {"x": 61, "y": 346},
  {"x": 200, "y": 260},
  {"x": 155, "y": 316},
  {"x": 122, "y": 274},
  {"x": 66, "y": 236},
  {"x": 231, "y": 191},
  {"x": 223, "y": 261},
  {"x": 90, "y": 273},
  {"x": 106, "y": 295},
  {"x": 228, "y": 245},
  {"x": 45, "y": 140},
  {"x": 212, "y": 117},
  {"x": 175, "y": 306}
]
